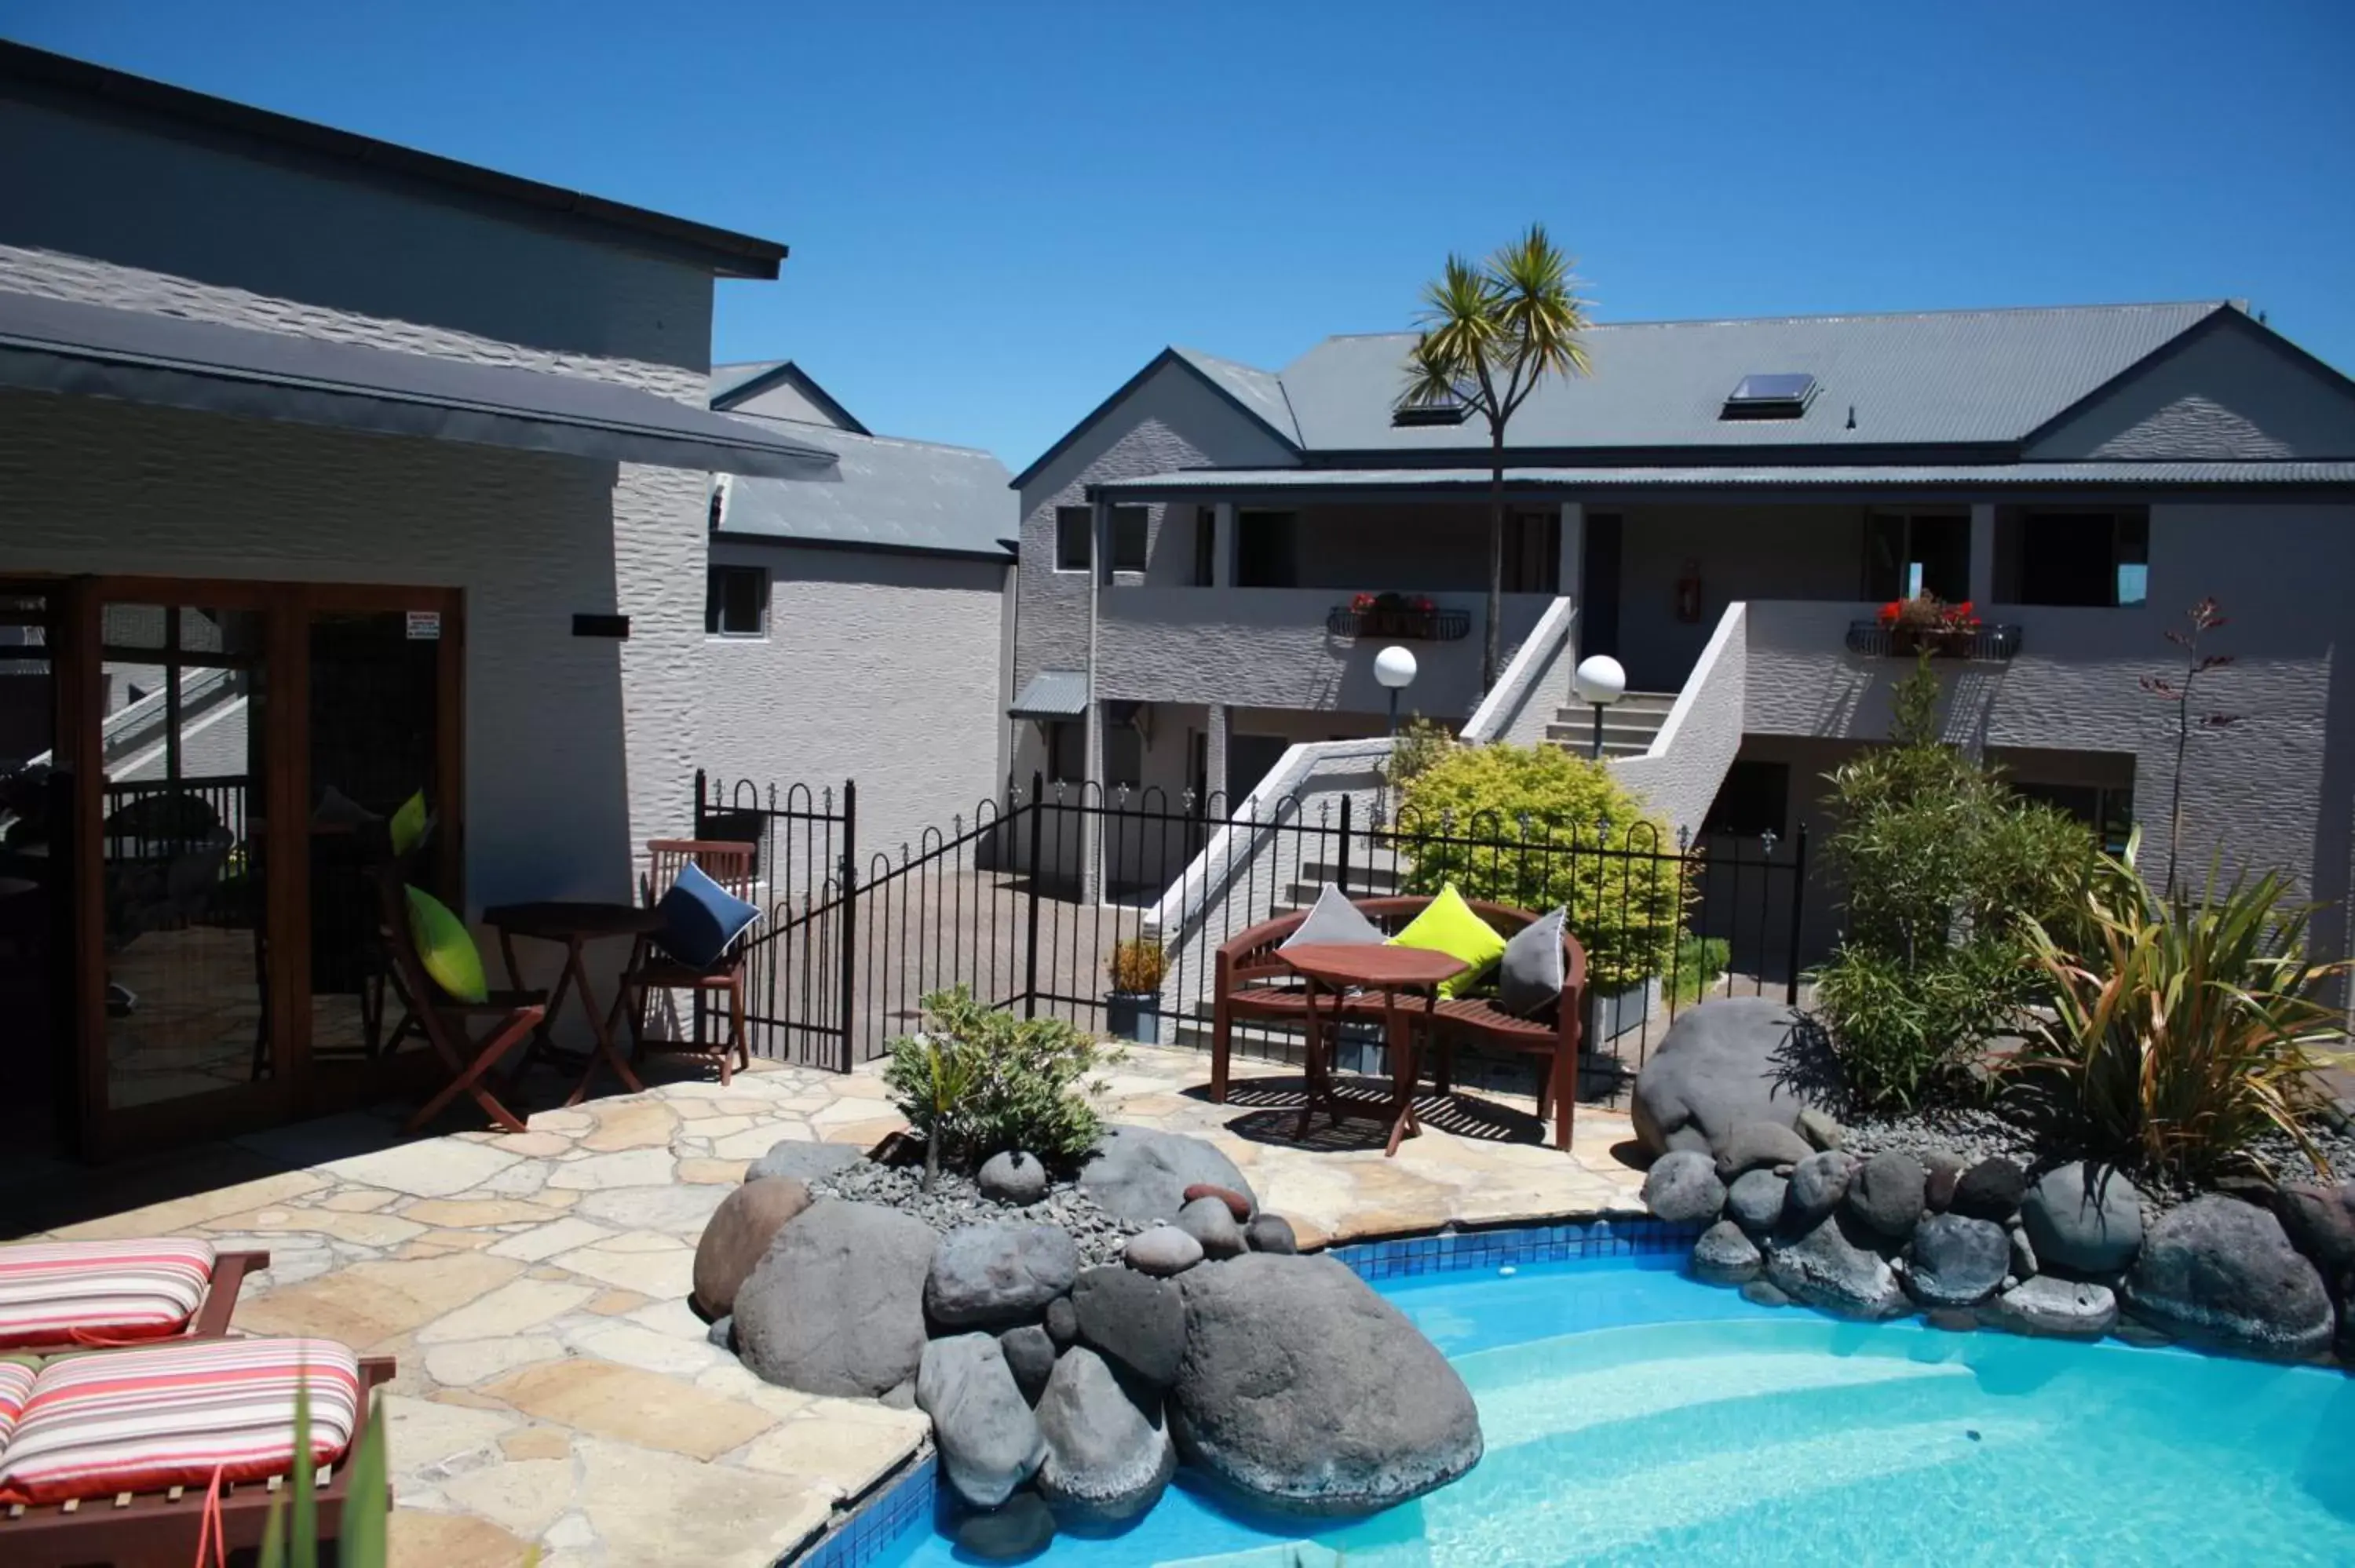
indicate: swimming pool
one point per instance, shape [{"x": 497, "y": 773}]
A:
[{"x": 1632, "y": 1415}]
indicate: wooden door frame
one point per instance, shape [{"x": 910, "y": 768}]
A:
[{"x": 105, "y": 1131}]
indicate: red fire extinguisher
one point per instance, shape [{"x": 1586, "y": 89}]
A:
[{"x": 1689, "y": 592}]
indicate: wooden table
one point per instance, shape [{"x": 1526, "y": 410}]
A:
[
  {"x": 575, "y": 925},
  {"x": 1338, "y": 966}
]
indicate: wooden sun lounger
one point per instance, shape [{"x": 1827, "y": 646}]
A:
[{"x": 160, "y": 1529}]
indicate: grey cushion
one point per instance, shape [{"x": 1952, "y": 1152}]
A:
[
  {"x": 1333, "y": 919},
  {"x": 1528, "y": 977}
]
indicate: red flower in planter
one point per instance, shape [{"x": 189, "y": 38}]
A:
[
  {"x": 1362, "y": 603},
  {"x": 1889, "y": 612}
]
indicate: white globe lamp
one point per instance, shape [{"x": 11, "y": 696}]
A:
[
  {"x": 1394, "y": 668},
  {"x": 1599, "y": 680}
]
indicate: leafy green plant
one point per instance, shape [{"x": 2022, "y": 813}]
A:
[
  {"x": 1521, "y": 825},
  {"x": 980, "y": 1081},
  {"x": 1939, "y": 862},
  {"x": 1420, "y": 742},
  {"x": 1700, "y": 964},
  {"x": 1137, "y": 965},
  {"x": 2189, "y": 1028}
]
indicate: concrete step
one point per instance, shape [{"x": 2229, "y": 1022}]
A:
[
  {"x": 1628, "y": 734},
  {"x": 1363, "y": 878}
]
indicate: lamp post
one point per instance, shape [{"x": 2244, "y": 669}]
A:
[
  {"x": 1394, "y": 668},
  {"x": 1599, "y": 680}
]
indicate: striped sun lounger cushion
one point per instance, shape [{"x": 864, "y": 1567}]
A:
[
  {"x": 15, "y": 1384},
  {"x": 172, "y": 1415},
  {"x": 56, "y": 1294}
]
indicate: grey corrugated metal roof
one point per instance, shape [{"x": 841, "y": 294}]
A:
[
  {"x": 885, "y": 493},
  {"x": 1815, "y": 476},
  {"x": 1052, "y": 695},
  {"x": 727, "y": 378},
  {"x": 1260, "y": 391},
  {"x": 1930, "y": 377}
]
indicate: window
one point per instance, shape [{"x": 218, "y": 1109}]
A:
[
  {"x": 1755, "y": 799},
  {"x": 1067, "y": 751},
  {"x": 1205, "y": 545},
  {"x": 1781, "y": 395},
  {"x": 2086, "y": 558},
  {"x": 1909, "y": 555},
  {"x": 1131, "y": 528},
  {"x": 1533, "y": 552},
  {"x": 736, "y": 601},
  {"x": 1074, "y": 545},
  {"x": 1267, "y": 549},
  {"x": 1124, "y": 755}
]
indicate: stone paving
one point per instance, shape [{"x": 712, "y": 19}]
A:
[{"x": 556, "y": 1389}]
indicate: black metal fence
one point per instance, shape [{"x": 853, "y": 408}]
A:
[{"x": 1025, "y": 902}]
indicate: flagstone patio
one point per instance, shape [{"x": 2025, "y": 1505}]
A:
[{"x": 556, "y": 1389}]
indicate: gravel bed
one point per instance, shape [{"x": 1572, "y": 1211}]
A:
[{"x": 955, "y": 1201}]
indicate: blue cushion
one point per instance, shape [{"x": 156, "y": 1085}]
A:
[{"x": 701, "y": 920}]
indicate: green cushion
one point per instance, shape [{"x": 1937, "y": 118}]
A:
[
  {"x": 446, "y": 947},
  {"x": 1448, "y": 925},
  {"x": 408, "y": 827}
]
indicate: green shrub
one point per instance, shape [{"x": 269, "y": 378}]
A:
[
  {"x": 1903, "y": 1027},
  {"x": 1136, "y": 966},
  {"x": 1627, "y": 909},
  {"x": 2189, "y": 1028},
  {"x": 1700, "y": 964},
  {"x": 1420, "y": 742},
  {"x": 980, "y": 1081}
]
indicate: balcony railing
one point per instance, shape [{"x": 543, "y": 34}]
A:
[
  {"x": 1406, "y": 625},
  {"x": 1986, "y": 643}
]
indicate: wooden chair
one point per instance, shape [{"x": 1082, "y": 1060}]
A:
[
  {"x": 730, "y": 864},
  {"x": 1249, "y": 981},
  {"x": 447, "y": 1023}
]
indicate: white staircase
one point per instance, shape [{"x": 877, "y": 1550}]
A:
[{"x": 1629, "y": 724}]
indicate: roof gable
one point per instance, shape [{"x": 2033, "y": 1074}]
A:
[
  {"x": 2230, "y": 389},
  {"x": 1244, "y": 389},
  {"x": 779, "y": 388}
]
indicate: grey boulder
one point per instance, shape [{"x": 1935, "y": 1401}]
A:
[
  {"x": 1957, "y": 1261},
  {"x": 2320, "y": 1222},
  {"x": 1271, "y": 1233},
  {"x": 804, "y": 1159},
  {"x": 1682, "y": 1188},
  {"x": 2220, "y": 1272},
  {"x": 1724, "y": 1062},
  {"x": 1726, "y": 1256},
  {"x": 1140, "y": 1175},
  {"x": 1818, "y": 1129},
  {"x": 2051, "y": 1308},
  {"x": 1136, "y": 1320},
  {"x": 990, "y": 1275},
  {"x": 1062, "y": 1323},
  {"x": 1107, "y": 1460},
  {"x": 1991, "y": 1190},
  {"x": 989, "y": 1440},
  {"x": 2083, "y": 1218},
  {"x": 1209, "y": 1222},
  {"x": 1835, "y": 1267},
  {"x": 1758, "y": 1145},
  {"x": 738, "y": 1236},
  {"x": 1818, "y": 1182},
  {"x": 1942, "y": 1172},
  {"x": 1306, "y": 1391},
  {"x": 1886, "y": 1193},
  {"x": 1165, "y": 1250},
  {"x": 1031, "y": 1357},
  {"x": 1010, "y": 1176},
  {"x": 1755, "y": 1202},
  {"x": 836, "y": 1306}
]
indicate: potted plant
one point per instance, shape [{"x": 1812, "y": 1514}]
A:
[
  {"x": 1926, "y": 624},
  {"x": 1133, "y": 1011}
]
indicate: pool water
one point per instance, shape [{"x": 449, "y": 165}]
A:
[{"x": 1633, "y": 1416}]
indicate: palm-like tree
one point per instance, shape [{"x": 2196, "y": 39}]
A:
[{"x": 1490, "y": 335}]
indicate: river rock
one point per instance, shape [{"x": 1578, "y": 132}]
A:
[
  {"x": 1164, "y": 1250},
  {"x": 1237, "y": 1204},
  {"x": 1818, "y": 1182},
  {"x": 1062, "y": 1323},
  {"x": 2083, "y": 1219},
  {"x": 738, "y": 1236},
  {"x": 2053, "y": 1307},
  {"x": 1758, "y": 1145},
  {"x": 2320, "y": 1222},
  {"x": 802, "y": 1159},
  {"x": 2223, "y": 1273},
  {"x": 1140, "y": 1175},
  {"x": 988, "y": 1438},
  {"x": 991, "y": 1276},
  {"x": 1023, "y": 1527},
  {"x": 1991, "y": 1190},
  {"x": 1306, "y": 1391},
  {"x": 1031, "y": 1357},
  {"x": 1725, "y": 1255},
  {"x": 1136, "y": 1320},
  {"x": 1886, "y": 1192},
  {"x": 1011, "y": 1176},
  {"x": 836, "y": 1306},
  {"x": 1957, "y": 1261},
  {"x": 1755, "y": 1202},
  {"x": 1835, "y": 1267},
  {"x": 2024, "y": 1264},
  {"x": 1942, "y": 1172},
  {"x": 1682, "y": 1188},
  {"x": 1208, "y": 1220},
  {"x": 1271, "y": 1233},
  {"x": 1727, "y": 1061},
  {"x": 1107, "y": 1460},
  {"x": 1818, "y": 1129}
]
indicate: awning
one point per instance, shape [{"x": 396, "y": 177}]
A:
[
  {"x": 1053, "y": 695},
  {"x": 136, "y": 357}
]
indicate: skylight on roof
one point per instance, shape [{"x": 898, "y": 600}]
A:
[
  {"x": 1781, "y": 394},
  {"x": 1429, "y": 414}
]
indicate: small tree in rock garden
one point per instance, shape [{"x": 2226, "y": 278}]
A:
[{"x": 2204, "y": 618}]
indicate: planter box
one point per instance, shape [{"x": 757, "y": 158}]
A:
[
  {"x": 1622, "y": 1012},
  {"x": 1137, "y": 1017}
]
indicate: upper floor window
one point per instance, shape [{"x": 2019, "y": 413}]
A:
[
  {"x": 1130, "y": 530},
  {"x": 1067, "y": 751},
  {"x": 1267, "y": 549},
  {"x": 2097, "y": 557},
  {"x": 1074, "y": 524},
  {"x": 1533, "y": 552},
  {"x": 1206, "y": 546},
  {"x": 736, "y": 601},
  {"x": 1907, "y": 555}
]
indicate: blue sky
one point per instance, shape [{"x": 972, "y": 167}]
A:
[{"x": 1000, "y": 209}]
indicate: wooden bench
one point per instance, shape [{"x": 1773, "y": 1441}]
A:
[{"x": 1251, "y": 982}]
